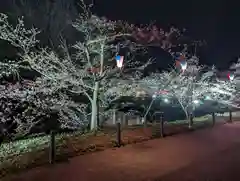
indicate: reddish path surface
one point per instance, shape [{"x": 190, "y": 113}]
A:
[{"x": 210, "y": 154}]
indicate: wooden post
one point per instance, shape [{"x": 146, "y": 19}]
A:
[
  {"x": 154, "y": 127},
  {"x": 161, "y": 126},
  {"x": 52, "y": 148},
  {"x": 126, "y": 119},
  {"x": 213, "y": 119},
  {"x": 118, "y": 134},
  {"x": 119, "y": 119},
  {"x": 230, "y": 116}
]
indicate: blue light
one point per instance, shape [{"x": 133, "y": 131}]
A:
[{"x": 118, "y": 57}]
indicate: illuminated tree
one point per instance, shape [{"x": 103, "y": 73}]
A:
[
  {"x": 87, "y": 68},
  {"x": 26, "y": 105},
  {"x": 192, "y": 87},
  {"x": 88, "y": 71},
  {"x": 236, "y": 72}
]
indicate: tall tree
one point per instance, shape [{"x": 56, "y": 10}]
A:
[
  {"x": 192, "y": 87},
  {"x": 88, "y": 67},
  {"x": 88, "y": 70}
]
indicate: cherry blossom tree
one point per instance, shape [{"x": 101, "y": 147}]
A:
[
  {"x": 153, "y": 36},
  {"x": 236, "y": 68},
  {"x": 192, "y": 87},
  {"x": 229, "y": 87},
  {"x": 25, "y": 105},
  {"x": 103, "y": 40},
  {"x": 86, "y": 68},
  {"x": 236, "y": 72},
  {"x": 113, "y": 96},
  {"x": 225, "y": 92}
]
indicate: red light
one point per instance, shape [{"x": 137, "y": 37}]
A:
[{"x": 230, "y": 76}]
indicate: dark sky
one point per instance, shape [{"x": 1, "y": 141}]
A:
[{"x": 215, "y": 21}]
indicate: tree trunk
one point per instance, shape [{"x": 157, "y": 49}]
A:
[
  {"x": 125, "y": 117},
  {"x": 124, "y": 120},
  {"x": 98, "y": 113},
  {"x": 144, "y": 121},
  {"x": 114, "y": 117},
  {"x": 190, "y": 117},
  {"x": 161, "y": 126},
  {"x": 93, "y": 124},
  {"x": 138, "y": 120},
  {"x": 191, "y": 108},
  {"x": 186, "y": 113}
]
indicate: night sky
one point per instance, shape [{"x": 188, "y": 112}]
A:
[{"x": 217, "y": 22}]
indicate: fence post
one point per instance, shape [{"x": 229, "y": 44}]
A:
[
  {"x": 154, "y": 124},
  {"x": 124, "y": 120},
  {"x": 52, "y": 148},
  {"x": 213, "y": 118},
  {"x": 118, "y": 134},
  {"x": 230, "y": 116},
  {"x": 161, "y": 126}
]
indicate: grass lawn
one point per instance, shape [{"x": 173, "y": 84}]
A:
[{"x": 32, "y": 152}]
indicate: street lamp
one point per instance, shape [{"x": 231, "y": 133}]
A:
[
  {"x": 154, "y": 96},
  {"x": 207, "y": 98},
  {"x": 181, "y": 60},
  {"x": 183, "y": 65},
  {"x": 196, "y": 101},
  {"x": 166, "y": 100},
  {"x": 119, "y": 61}
]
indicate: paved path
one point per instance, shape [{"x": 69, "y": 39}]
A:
[{"x": 210, "y": 154}]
